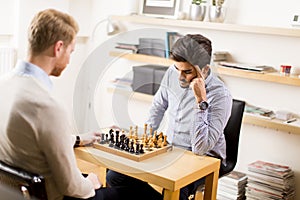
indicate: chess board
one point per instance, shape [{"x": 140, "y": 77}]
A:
[{"x": 108, "y": 144}]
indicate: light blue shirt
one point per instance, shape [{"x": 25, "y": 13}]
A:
[
  {"x": 28, "y": 69},
  {"x": 188, "y": 126}
]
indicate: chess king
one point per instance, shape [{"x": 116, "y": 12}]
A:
[{"x": 198, "y": 104}]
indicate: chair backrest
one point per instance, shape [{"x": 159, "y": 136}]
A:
[
  {"x": 29, "y": 184},
  {"x": 232, "y": 135}
]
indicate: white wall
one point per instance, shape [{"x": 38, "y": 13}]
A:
[{"x": 256, "y": 142}]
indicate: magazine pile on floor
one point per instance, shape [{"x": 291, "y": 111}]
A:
[
  {"x": 232, "y": 186},
  {"x": 270, "y": 181}
]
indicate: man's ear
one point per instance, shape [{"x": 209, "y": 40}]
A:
[
  {"x": 205, "y": 70},
  {"x": 58, "y": 47}
]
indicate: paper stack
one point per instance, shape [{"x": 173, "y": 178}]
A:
[
  {"x": 270, "y": 181},
  {"x": 232, "y": 186}
]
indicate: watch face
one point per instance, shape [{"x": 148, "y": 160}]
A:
[{"x": 203, "y": 105}]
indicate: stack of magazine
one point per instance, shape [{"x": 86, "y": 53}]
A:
[
  {"x": 232, "y": 186},
  {"x": 270, "y": 181}
]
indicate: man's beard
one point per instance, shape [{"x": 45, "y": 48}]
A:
[{"x": 184, "y": 83}]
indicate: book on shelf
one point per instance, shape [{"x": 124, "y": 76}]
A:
[
  {"x": 127, "y": 46},
  {"x": 121, "y": 83},
  {"x": 248, "y": 67},
  {"x": 171, "y": 38},
  {"x": 259, "y": 112},
  {"x": 220, "y": 56}
]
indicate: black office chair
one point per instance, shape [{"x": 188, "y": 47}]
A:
[
  {"x": 232, "y": 136},
  {"x": 31, "y": 185}
]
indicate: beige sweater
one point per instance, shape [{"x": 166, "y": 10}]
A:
[{"x": 36, "y": 134}]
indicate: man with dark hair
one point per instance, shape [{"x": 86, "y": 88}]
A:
[{"x": 197, "y": 103}]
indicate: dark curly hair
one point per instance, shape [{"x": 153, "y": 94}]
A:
[{"x": 195, "y": 49}]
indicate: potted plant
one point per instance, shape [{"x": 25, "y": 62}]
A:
[
  {"x": 217, "y": 3},
  {"x": 197, "y": 10},
  {"x": 216, "y": 12}
]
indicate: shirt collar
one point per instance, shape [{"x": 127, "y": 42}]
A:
[{"x": 28, "y": 69}]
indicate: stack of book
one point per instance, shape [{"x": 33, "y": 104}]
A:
[
  {"x": 121, "y": 83},
  {"x": 232, "y": 186},
  {"x": 270, "y": 181},
  {"x": 127, "y": 46},
  {"x": 259, "y": 112},
  {"x": 248, "y": 67},
  {"x": 220, "y": 56}
]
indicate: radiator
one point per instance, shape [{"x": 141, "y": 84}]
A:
[{"x": 7, "y": 59}]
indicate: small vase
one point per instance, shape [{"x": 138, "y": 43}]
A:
[
  {"x": 197, "y": 12},
  {"x": 216, "y": 14}
]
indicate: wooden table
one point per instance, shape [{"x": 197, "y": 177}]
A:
[{"x": 171, "y": 170}]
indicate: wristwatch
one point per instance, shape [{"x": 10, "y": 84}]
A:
[{"x": 203, "y": 105}]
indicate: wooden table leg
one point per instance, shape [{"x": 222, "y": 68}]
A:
[
  {"x": 171, "y": 195},
  {"x": 211, "y": 185}
]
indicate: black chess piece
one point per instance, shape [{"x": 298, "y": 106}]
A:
[
  {"x": 102, "y": 141},
  {"x": 137, "y": 148},
  {"x": 106, "y": 138},
  {"x": 141, "y": 149},
  {"x": 117, "y": 142},
  {"x": 111, "y": 139},
  {"x": 131, "y": 148},
  {"x": 126, "y": 144},
  {"x": 122, "y": 141}
]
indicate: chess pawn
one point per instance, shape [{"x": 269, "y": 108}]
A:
[
  {"x": 102, "y": 138},
  {"x": 131, "y": 148},
  {"x": 137, "y": 148},
  {"x": 141, "y": 149},
  {"x": 154, "y": 138},
  {"x": 165, "y": 143},
  {"x": 126, "y": 144},
  {"x": 117, "y": 143},
  {"x": 150, "y": 143},
  {"x": 160, "y": 135},
  {"x": 159, "y": 143}
]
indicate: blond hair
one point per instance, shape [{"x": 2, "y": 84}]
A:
[{"x": 49, "y": 26}]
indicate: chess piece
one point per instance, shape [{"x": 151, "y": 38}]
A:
[
  {"x": 122, "y": 141},
  {"x": 102, "y": 141},
  {"x": 106, "y": 138},
  {"x": 165, "y": 143},
  {"x": 154, "y": 138},
  {"x": 117, "y": 143},
  {"x": 126, "y": 144},
  {"x": 137, "y": 148},
  {"x": 111, "y": 139},
  {"x": 131, "y": 148},
  {"x": 141, "y": 149}
]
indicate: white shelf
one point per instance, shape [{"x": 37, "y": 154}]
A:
[
  {"x": 290, "y": 32},
  {"x": 274, "y": 77},
  {"x": 247, "y": 119}
]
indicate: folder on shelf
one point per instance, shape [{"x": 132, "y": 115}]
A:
[
  {"x": 171, "y": 38},
  {"x": 248, "y": 67}
]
